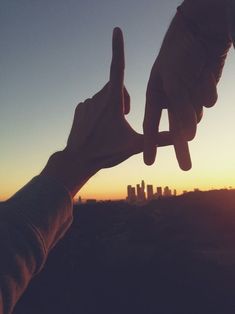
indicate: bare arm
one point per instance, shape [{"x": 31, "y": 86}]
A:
[{"x": 31, "y": 223}]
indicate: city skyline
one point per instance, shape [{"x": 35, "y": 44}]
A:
[
  {"x": 162, "y": 191},
  {"x": 141, "y": 193}
]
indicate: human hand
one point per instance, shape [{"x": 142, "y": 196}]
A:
[
  {"x": 100, "y": 136},
  {"x": 183, "y": 80}
]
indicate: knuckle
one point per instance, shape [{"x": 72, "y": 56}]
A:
[
  {"x": 199, "y": 113},
  {"x": 190, "y": 133},
  {"x": 78, "y": 108},
  {"x": 211, "y": 100}
]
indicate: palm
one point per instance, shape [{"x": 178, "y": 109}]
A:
[
  {"x": 115, "y": 140},
  {"x": 101, "y": 132}
]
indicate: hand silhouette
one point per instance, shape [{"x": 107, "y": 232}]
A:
[
  {"x": 100, "y": 136},
  {"x": 183, "y": 80},
  {"x": 100, "y": 132}
]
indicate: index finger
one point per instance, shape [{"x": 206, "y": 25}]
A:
[
  {"x": 182, "y": 121},
  {"x": 118, "y": 61},
  {"x": 153, "y": 111},
  {"x": 180, "y": 143}
]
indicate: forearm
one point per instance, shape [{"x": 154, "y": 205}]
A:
[{"x": 31, "y": 223}]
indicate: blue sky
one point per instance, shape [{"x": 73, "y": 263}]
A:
[{"x": 57, "y": 53}]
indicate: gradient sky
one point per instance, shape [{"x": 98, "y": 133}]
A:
[{"x": 57, "y": 53}]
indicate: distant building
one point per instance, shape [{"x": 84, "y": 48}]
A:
[
  {"x": 140, "y": 193},
  {"x": 143, "y": 198},
  {"x": 159, "y": 191},
  {"x": 175, "y": 192},
  {"x": 149, "y": 192},
  {"x": 131, "y": 196},
  {"x": 91, "y": 201},
  {"x": 77, "y": 201},
  {"x": 143, "y": 185},
  {"x": 167, "y": 191},
  {"x": 129, "y": 192}
]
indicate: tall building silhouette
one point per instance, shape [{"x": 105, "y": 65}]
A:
[
  {"x": 143, "y": 190},
  {"x": 167, "y": 191},
  {"x": 131, "y": 196},
  {"x": 149, "y": 192},
  {"x": 138, "y": 192},
  {"x": 129, "y": 192},
  {"x": 159, "y": 191},
  {"x": 143, "y": 185}
]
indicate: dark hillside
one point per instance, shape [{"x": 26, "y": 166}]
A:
[{"x": 171, "y": 256}]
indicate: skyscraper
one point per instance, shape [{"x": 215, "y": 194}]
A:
[
  {"x": 129, "y": 192},
  {"x": 167, "y": 191},
  {"x": 149, "y": 192},
  {"x": 143, "y": 197},
  {"x": 159, "y": 191},
  {"x": 139, "y": 193},
  {"x": 143, "y": 185},
  {"x": 131, "y": 196}
]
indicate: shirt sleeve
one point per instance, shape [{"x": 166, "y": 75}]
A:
[{"x": 31, "y": 223}]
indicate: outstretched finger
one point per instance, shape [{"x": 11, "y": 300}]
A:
[
  {"x": 179, "y": 142},
  {"x": 118, "y": 61},
  {"x": 182, "y": 110},
  {"x": 162, "y": 139},
  {"x": 153, "y": 111},
  {"x": 183, "y": 124}
]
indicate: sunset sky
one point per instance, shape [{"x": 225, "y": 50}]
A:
[{"x": 57, "y": 53}]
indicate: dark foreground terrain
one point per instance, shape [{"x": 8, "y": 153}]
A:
[{"x": 171, "y": 256}]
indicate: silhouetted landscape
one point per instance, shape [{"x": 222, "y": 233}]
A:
[{"x": 174, "y": 255}]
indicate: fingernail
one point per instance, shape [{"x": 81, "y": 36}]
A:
[{"x": 116, "y": 31}]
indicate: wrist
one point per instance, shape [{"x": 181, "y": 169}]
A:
[
  {"x": 208, "y": 16},
  {"x": 70, "y": 170}
]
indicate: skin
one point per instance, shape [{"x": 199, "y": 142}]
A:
[
  {"x": 231, "y": 19},
  {"x": 185, "y": 74},
  {"x": 100, "y": 136}
]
